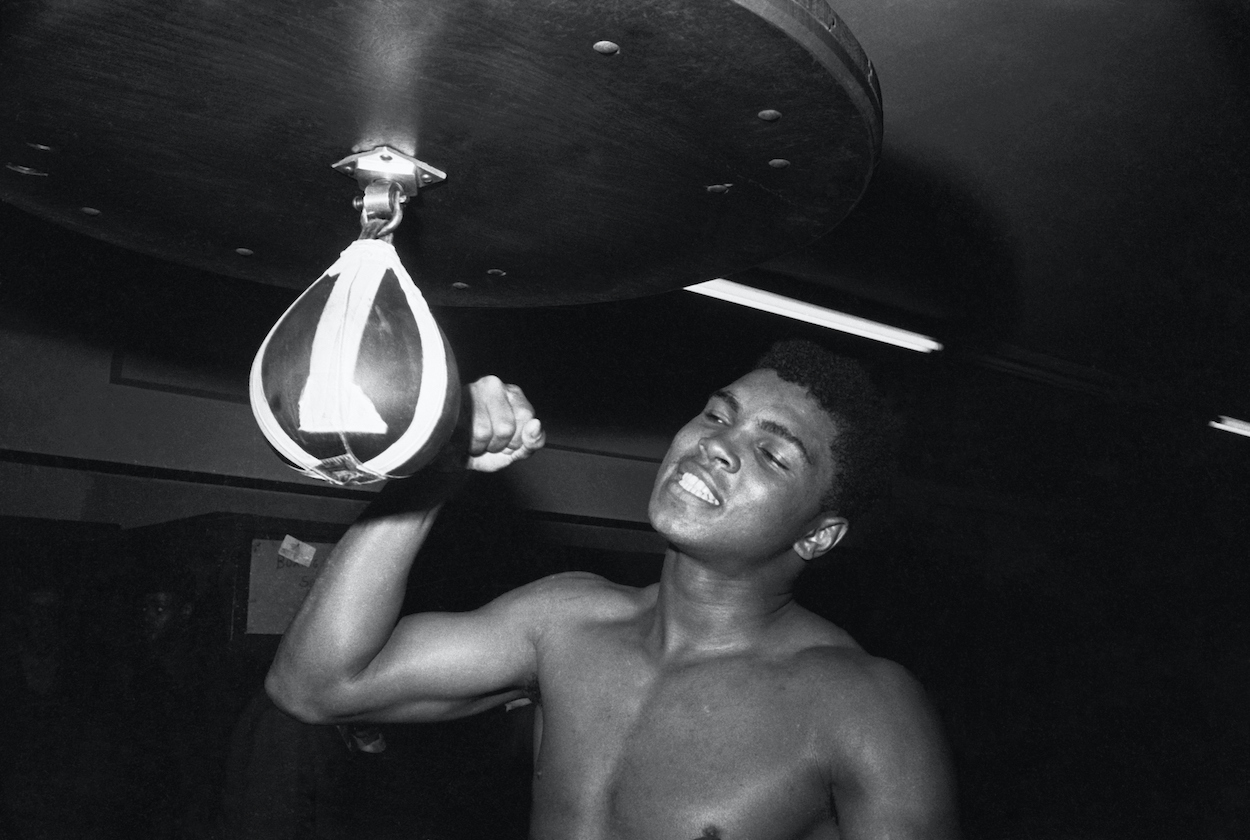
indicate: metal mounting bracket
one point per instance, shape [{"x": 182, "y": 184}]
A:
[{"x": 386, "y": 164}]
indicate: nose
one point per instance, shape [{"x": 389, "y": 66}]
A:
[{"x": 716, "y": 449}]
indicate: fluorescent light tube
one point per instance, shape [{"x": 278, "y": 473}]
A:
[
  {"x": 1231, "y": 424},
  {"x": 732, "y": 292}
]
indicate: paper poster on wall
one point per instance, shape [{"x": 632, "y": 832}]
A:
[{"x": 282, "y": 573}]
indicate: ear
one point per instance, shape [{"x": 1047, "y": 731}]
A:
[{"x": 826, "y": 531}]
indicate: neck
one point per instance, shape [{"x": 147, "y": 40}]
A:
[{"x": 702, "y": 609}]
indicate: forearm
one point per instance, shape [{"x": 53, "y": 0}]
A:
[{"x": 352, "y": 608}]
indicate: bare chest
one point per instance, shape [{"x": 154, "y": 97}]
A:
[{"x": 722, "y": 748}]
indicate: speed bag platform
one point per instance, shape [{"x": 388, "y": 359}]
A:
[{"x": 356, "y": 382}]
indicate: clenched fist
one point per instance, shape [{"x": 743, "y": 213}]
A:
[{"x": 502, "y": 426}]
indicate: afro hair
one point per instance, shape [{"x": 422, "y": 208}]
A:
[{"x": 863, "y": 446}]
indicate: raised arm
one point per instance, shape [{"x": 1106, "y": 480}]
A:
[
  {"x": 892, "y": 776},
  {"x": 344, "y": 657}
]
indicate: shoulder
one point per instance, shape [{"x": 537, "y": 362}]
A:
[
  {"x": 863, "y": 679},
  {"x": 570, "y": 597},
  {"x": 882, "y": 741},
  {"x": 869, "y": 701},
  {"x": 575, "y": 587},
  {"x": 869, "y": 710},
  {"x": 832, "y": 658}
]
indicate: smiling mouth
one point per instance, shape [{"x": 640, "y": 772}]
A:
[{"x": 695, "y": 486}]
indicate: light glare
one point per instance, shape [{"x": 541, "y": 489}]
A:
[
  {"x": 727, "y": 290},
  {"x": 1231, "y": 424}
]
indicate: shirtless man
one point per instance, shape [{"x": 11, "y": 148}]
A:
[{"x": 708, "y": 705}]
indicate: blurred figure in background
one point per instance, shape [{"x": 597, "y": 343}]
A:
[{"x": 176, "y": 713}]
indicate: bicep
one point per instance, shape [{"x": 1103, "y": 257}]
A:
[
  {"x": 896, "y": 780},
  {"x": 439, "y": 666}
]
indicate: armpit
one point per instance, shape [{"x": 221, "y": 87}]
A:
[{"x": 532, "y": 695}]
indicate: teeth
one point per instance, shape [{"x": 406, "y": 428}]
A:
[{"x": 692, "y": 484}]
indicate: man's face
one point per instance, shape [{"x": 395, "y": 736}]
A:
[
  {"x": 743, "y": 480},
  {"x": 162, "y": 611}
]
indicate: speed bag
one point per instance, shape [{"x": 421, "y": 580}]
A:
[{"x": 356, "y": 382}]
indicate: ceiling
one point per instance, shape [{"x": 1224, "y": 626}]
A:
[
  {"x": 1066, "y": 177},
  {"x": 1062, "y": 197}
]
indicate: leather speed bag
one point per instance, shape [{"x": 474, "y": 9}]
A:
[{"x": 356, "y": 382}]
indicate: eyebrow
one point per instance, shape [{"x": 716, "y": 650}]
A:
[{"x": 770, "y": 426}]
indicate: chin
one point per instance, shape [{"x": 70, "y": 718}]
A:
[
  {"x": 669, "y": 526},
  {"x": 661, "y": 522},
  {"x": 682, "y": 537},
  {"x": 658, "y": 513}
]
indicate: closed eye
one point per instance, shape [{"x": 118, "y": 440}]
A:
[{"x": 773, "y": 459}]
